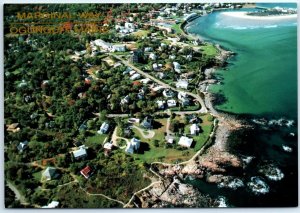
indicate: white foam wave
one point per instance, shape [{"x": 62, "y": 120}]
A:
[
  {"x": 281, "y": 122},
  {"x": 247, "y": 159},
  {"x": 233, "y": 184},
  {"x": 258, "y": 186},
  {"x": 222, "y": 202},
  {"x": 271, "y": 26},
  {"x": 287, "y": 148},
  {"x": 272, "y": 172}
]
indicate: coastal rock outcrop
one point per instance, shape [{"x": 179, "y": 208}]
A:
[{"x": 172, "y": 194}]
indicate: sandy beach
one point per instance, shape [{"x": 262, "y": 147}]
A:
[{"x": 244, "y": 15}]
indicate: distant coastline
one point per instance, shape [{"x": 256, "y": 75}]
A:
[{"x": 244, "y": 15}]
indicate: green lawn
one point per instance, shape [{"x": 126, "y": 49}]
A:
[
  {"x": 141, "y": 33},
  {"x": 95, "y": 140},
  {"x": 209, "y": 50},
  {"x": 149, "y": 152},
  {"x": 37, "y": 175},
  {"x": 200, "y": 139},
  {"x": 176, "y": 27}
]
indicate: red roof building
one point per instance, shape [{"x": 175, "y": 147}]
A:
[
  {"x": 86, "y": 172},
  {"x": 136, "y": 83}
]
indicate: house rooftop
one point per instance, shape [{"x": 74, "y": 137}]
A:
[
  {"x": 80, "y": 152},
  {"x": 185, "y": 141},
  {"x": 86, "y": 172}
]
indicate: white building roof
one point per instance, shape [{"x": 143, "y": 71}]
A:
[
  {"x": 182, "y": 84},
  {"x": 108, "y": 146},
  {"x": 160, "y": 104},
  {"x": 133, "y": 145},
  {"x": 125, "y": 100},
  {"x": 80, "y": 152},
  {"x": 185, "y": 141},
  {"x": 145, "y": 80},
  {"x": 171, "y": 103},
  {"x": 135, "y": 76},
  {"x": 53, "y": 204},
  {"x": 194, "y": 129},
  {"x": 104, "y": 127}
]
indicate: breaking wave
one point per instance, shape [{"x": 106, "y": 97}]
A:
[
  {"x": 232, "y": 184},
  {"x": 222, "y": 202},
  {"x": 287, "y": 148},
  {"x": 271, "y": 172},
  {"x": 274, "y": 122},
  {"x": 258, "y": 186}
]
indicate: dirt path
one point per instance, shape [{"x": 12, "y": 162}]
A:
[
  {"x": 19, "y": 197},
  {"x": 114, "y": 138},
  {"x": 148, "y": 136}
]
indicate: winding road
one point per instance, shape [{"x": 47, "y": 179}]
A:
[{"x": 197, "y": 97}]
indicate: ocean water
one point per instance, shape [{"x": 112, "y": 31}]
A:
[{"x": 260, "y": 81}]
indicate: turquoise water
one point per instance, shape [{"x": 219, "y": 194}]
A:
[
  {"x": 263, "y": 76},
  {"x": 261, "y": 81}
]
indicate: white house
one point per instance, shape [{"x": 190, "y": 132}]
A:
[
  {"x": 171, "y": 103},
  {"x": 160, "y": 104},
  {"x": 182, "y": 96},
  {"x": 148, "y": 49},
  {"x": 49, "y": 173},
  {"x": 129, "y": 25},
  {"x": 108, "y": 146},
  {"x": 118, "y": 48},
  {"x": 132, "y": 146},
  {"x": 145, "y": 80},
  {"x": 51, "y": 205},
  {"x": 80, "y": 153},
  {"x": 125, "y": 100},
  {"x": 183, "y": 84},
  {"x": 194, "y": 129},
  {"x": 100, "y": 43},
  {"x": 168, "y": 93},
  {"x": 152, "y": 56},
  {"x": 185, "y": 141},
  {"x": 161, "y": 75},
  {"x": 104, "y": 128},
  {"x": 135, "y": 76},
  {"x": 176, "y": 67},
  {"x": 132, "y": 72}
]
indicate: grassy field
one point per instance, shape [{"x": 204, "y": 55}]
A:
[
  {"x": 209, "y": 50},
  {"x": 176, "y": 27},
  {"x": 95, "y": 140},
  {"x": 152, "y": 153},
  {"x": 141, "y": 33},
  {"x": 200, "y": 139},
  {"x": 37, "y": 175}
]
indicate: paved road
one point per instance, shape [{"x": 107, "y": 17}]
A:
[{"x": 197, "y": 97}]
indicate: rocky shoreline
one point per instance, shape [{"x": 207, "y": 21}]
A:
[{"x": 214, "y": 163}]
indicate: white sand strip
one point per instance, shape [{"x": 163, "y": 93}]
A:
[{"x": 244, "y": 15}]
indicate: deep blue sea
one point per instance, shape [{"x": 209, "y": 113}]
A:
[{"x": 260, "y": 82}]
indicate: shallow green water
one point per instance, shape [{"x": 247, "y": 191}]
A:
[
  {"x": 263, "y": 76},
  {"x": 262, "y": 81}
]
